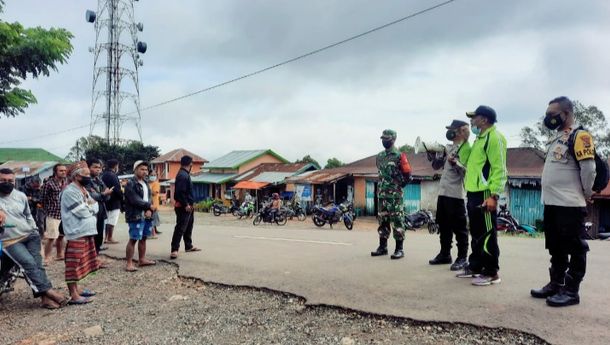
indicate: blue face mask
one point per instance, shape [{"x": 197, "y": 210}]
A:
[{"x": 476, "y": 130}]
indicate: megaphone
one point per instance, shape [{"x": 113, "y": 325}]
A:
[{"x": 433, "y": 147}]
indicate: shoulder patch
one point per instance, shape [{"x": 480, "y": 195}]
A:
[{"x": 583, "y": 146}]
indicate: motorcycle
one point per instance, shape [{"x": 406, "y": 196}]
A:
[
  {"x": 246, "y": 210},
  {"x": 218, "y": 208},
  {"x": 266, "y": 216},
  {"x": 421, "y": 218},
  {"x": 333, "y": 214},
  {"x": 509, "y": 224},
  {"x": 295, "y": 211},
  {"x": 9, "y": 272}
]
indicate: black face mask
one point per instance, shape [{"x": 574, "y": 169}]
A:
[
  {"x": 553, "y": 122},
  {"x": 85, "y": 181},
  {"x": 387, "y": 143},
  {"x": 6, "y": 187},
  {"x": 450, "y": 135}
]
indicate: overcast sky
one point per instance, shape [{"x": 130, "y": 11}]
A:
[{"x": 414, "y": 77}]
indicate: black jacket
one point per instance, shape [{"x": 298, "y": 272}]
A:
[
  {"x": 110, "y": 179},
  {"x": 95, "y": 189},
  {"x": 134, "y": 201},
  {"x": 184, "y": 188}
]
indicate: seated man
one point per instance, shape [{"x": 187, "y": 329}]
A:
[
  {"x": 276, "y": 204},
  {"x": 21, "y": 241}
]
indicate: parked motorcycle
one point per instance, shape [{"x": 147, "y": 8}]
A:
[
  {"x": 266, "y": 216},
  {"x": 333, "y": 214},
  {"x": 421, "y": 218},
  {"x": 9, "y": 272},
  {"x": 246, "y": 210},
  {"x": 218, "y": 208},
  {"x": 294, "y": 210},
  {"x": 510, "y": 225}
]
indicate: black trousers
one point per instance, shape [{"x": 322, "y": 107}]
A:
[
  {"x": 183, "y": 229},
  {"x": 451, "y": 219},
  {"x": 99, "y": 238},
  {"x": 483, "y": 229},
  {"x": 564, "y": 233}
]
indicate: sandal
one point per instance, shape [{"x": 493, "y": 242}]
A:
[
  {"x": 193, "y": 249},
  {"x": 148, "y": 263},
  {"x": 80, "y": 301},
  {"x": 173, "y": 255},
  {"x": 51, "y": 305},
  {"x": 132, "y": 269},
  {"x": 112, "y": 242},
  {"x": 88, "y": 293}
]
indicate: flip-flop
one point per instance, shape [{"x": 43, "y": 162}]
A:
[
  {"x": 50, "y": 306},
  {"x": 80, "y": 301},
  {"x": 151, "y": 263},
  {"x": 133, "y": 269},
  {"x": 193, "y": 249},
  {"x": 112, "y": 242},
  {"x": 88, "y": 293},
  {"x": 59, "y": 259}
]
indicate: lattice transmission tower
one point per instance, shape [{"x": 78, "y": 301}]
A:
[{"x": 116, "y": 60}]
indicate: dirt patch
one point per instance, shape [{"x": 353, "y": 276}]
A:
[{"x": 155, "y": 306}]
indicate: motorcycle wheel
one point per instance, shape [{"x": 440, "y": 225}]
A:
[
  {"x": 301, "y": 217},
  {"x": 433, "y": 228},
  {"x": 257, "y": 220},
  {"x": 318, "y": 222},
  {"x": 348, "y": 223},
  {"x": 281, "y": 219},
  {"x": 237, "y": 213},
  {"x": 216, "y": 212}
]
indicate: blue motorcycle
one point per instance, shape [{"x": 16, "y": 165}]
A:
[{"x": 333, "y": 214}]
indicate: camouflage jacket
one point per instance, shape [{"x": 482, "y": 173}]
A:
[{"x": 391, "y": 179}]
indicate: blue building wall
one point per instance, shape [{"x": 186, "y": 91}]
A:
[{"x": 525, "y": 204}]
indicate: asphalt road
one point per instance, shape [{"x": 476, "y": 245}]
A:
[{"x": 334, "y": 267}]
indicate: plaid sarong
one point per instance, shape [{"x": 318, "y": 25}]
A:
[{"x": 81, "y": 259}]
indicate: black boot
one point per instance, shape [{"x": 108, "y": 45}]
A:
[
  {"x": 382, "y": 249},
  {"x": 568, "y": 295},
  {"x": 459, "y": 264},
  {"x": 398, "y": 253},
  {"x": 441, "y": 259},
  {"x": 552, "y": 288}
]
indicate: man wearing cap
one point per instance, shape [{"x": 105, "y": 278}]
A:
[
  {"x": 394, "y": 174},
  {"x": 450, "y": 208},
  {"x": 568, "y": 178},
  {"x": 138, "y": 213},
  {"x": 485, "y": 180},
  {"x": 183, "y": 206}
]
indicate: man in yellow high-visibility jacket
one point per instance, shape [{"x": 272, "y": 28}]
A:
[{"x": 486, "y": 176}]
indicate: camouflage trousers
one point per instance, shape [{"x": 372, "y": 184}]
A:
[{"x": 391, "y": 219}]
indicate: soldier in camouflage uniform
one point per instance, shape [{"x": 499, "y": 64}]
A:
[{"x": 394, "y": 174}]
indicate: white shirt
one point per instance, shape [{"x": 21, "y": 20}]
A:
[{"x": 145, "y": 189}]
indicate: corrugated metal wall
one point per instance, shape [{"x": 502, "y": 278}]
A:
[
  {"x": 201, "y": 191},
  {"x": 412, "y": 197},
  {"x": 525, "y": 205},
  {"x": 370, "y": 198}
]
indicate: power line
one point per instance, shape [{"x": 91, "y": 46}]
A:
[
  {"x": 313, "y": 52},
  {"x": 285, "y": 62},
  {"x": 44, "y": 135}
]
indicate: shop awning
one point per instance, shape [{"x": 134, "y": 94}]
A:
[{"x": 250, "y": 185}]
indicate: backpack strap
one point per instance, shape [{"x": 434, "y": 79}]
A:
[{"x": 571, "y": 141}]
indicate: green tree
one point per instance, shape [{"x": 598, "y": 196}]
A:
[
  {"x": 406, "y": 148},
  {"x": 308, "y": 159},
  {"x": 590, "y": 117},
  {"x": 333, "y": 163},
  {"x": 27, "y": 51},
  {"x": 126, "y": 153}
]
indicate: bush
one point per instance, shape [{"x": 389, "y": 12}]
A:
[{"x": 205, "y": 205}]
